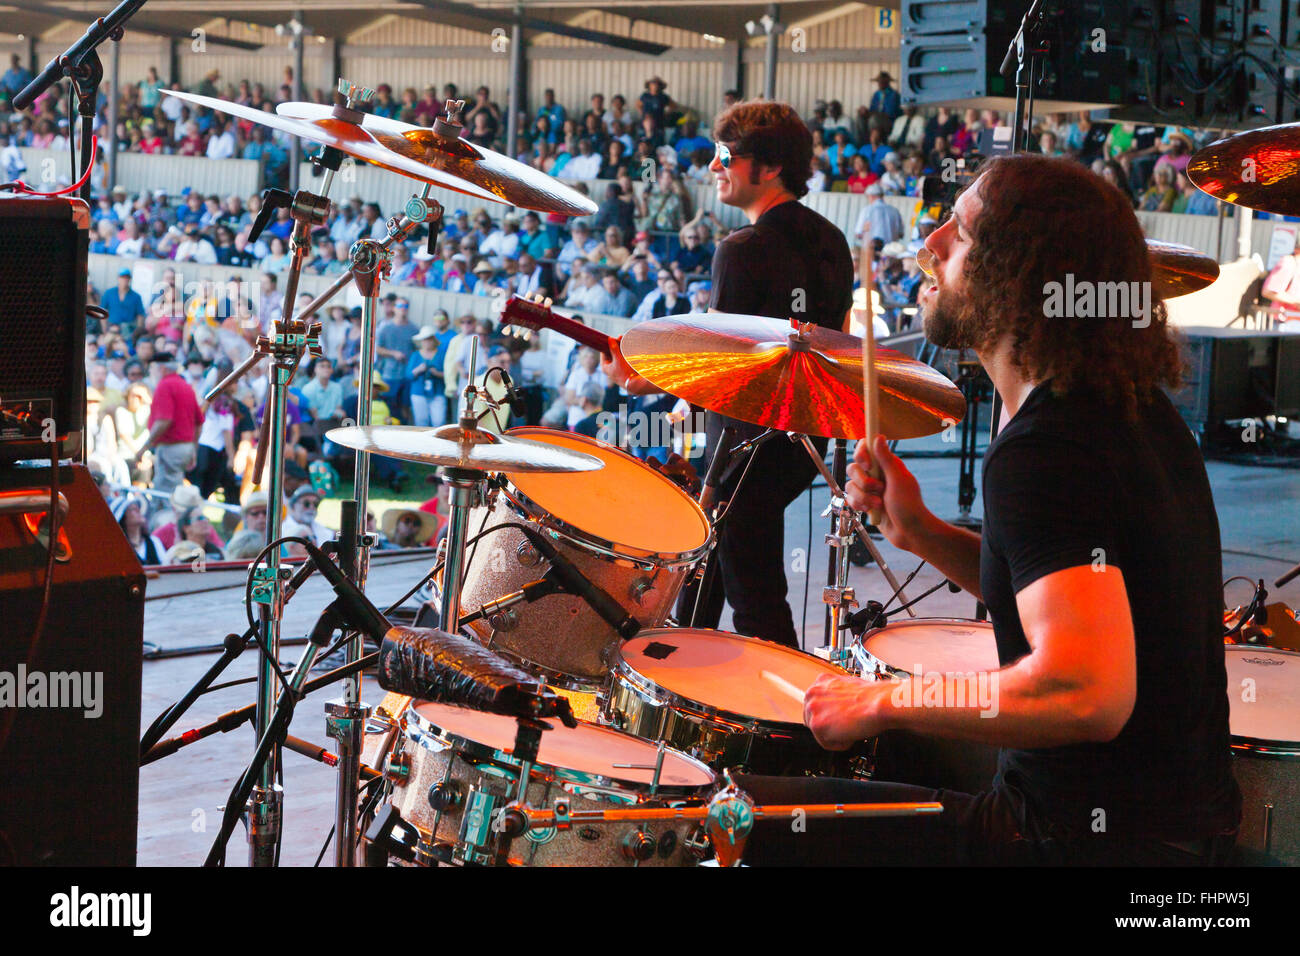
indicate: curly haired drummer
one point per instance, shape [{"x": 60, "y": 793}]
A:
[{"x": 1099, "y": 563}]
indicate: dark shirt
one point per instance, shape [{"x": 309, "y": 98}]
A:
[
  {"x": 1070, "y": 482},
  {"x": 757, "y": 269},
  {"x": 616, "y": 212}
]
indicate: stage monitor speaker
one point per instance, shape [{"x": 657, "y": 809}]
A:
[
  {"x": 1287, "y": 401},
  {"x": 69, "y": 767},
  {"x": 43, "y": 247},
  {"x": 1231, "y": 374},
  {"x": 952, "y": 50}
]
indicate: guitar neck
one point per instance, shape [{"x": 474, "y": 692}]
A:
[{"x": 582, "y": 334}]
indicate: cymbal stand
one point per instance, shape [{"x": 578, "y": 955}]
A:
[
  {"x": 345, "y": 717},
  {"x": 462, "y": 496},
  {"x": 839, "y": 596}
]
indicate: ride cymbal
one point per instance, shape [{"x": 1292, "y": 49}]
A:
[
  {"x": 763, "y": 371},
  {"x": 452, "y": 447},
  {"x": 1259, "y": 169},
  {"x": 1177, "y": 269},
  {"x": 506, "y": 179}
]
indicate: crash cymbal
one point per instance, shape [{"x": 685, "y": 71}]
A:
[
  {"x": 1177, "y": 269},
  {"x": 1259, "y": 169},
  {"x": 452, "y": 447},
  {"x": 345, "y": 137},
  {"x": 506, "y": 179},
  {"x": 760, "y": 370}
]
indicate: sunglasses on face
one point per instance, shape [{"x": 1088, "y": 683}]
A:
[{"x": 724, "y": 155}]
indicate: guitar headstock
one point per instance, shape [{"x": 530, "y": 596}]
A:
[{"x": 529, "y": 313}]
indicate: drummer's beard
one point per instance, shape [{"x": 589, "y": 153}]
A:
[{"x": 952, "y": 321}]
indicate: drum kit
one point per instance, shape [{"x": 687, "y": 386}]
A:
[{"x": 562, "y": 563}]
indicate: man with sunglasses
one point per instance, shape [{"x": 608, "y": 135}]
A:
[{"x": 789, "y": 262}]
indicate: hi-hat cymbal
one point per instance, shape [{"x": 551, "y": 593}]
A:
[
  {"x": 452, "y": 447},
  {"x": 757, "y": 370},
  {"x": 508, "y": 180},
  {"x": 1177, "y": 269},
  {"x": 1259, "y": 169}
]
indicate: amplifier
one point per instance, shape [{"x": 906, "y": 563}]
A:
[
  {"x": 1233, "y": 374},
  {"x": 70, "y": 763},
  {"x": 43, "y": 246}
]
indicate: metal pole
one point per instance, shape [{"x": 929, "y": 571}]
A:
[
  {"x": 113, "y": 94},
  {"x": 515, "y": 100},
  {"x": 773, "y": 38},
  {"x": 295, "y": 148}
]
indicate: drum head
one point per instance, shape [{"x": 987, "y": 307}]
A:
[
  {"x": 1263, "y": 694},
  {"x": 726, "y": 671},
  {"x": 584, "y": 751},
  {"x": 939, "y": 645},
  {"x": 627, "y": 502}
]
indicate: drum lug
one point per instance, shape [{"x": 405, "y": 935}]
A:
[
  {"x": 398, "y": 768},
  {"x": 507, "y": 620},
  {"x": 640, "y": 587},
  {"x": 862, "y": 767},
  {"x": 561, "y": 811},
  {"x": 527, "y": 555},
  {"x": 638, "y": 845},
  {"x": 696, "y": 843}
]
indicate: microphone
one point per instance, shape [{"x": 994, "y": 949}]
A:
[
  {"x": 575, "y": 582},
  {"x": 516, "y": 400},
  {"x": 355, "y": 607},
  {"x": 721, "y": 459}
]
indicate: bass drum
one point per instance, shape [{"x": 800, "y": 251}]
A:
[
  {"x": 925, "y": 646},
  {"x": 626, "y": 527},
  {"x": 1264, "y": 718},
  {"x": 454, "y": 770}
]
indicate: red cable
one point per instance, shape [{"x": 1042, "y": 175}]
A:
[{"x": 22, "y": 187}]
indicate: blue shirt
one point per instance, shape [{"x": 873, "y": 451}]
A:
[
  {"x": 887, "y": 101},
  {"x": 123, "y": 311}
]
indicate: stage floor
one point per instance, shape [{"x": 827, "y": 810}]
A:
[{"x": 181, "y": 795}]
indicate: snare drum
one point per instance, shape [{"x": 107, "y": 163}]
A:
[
  {"x": 928, "y": 645},
  {"x": 1264, "y": 718},
  {"x": 455, "y": 770},
  {"x": 626, "y": 527},
  {"x": 722, "y": 697}
]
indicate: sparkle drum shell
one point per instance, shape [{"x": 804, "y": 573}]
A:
[
  {"x": 628, "y": 528},
  {"x": 469, "y": 752},
  {"x": 919, "y": 646},
  {"x": 704, "y": 692},
  {"x": 1264, "y": 720}
]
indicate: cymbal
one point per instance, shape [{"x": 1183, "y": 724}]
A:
[
  {"x": 345, "y": 137},
  {"x": 506, "y": 179},
  {"x": 1256, "y": 169},
  {"x": 758, "y": 370},
  {"x": 1177, "y": 269},
  {"x": 452, "y": 447}
]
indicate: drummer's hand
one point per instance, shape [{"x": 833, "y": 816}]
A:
[
  {"x": 622, "y": 374},
  {"x": 838, "y": 710},
  {"x": 895, "y": 496}
]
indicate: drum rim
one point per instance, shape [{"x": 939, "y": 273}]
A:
[
  {"x": 623, "y": 670},
  {"x": 1260, "y": 747},
  {"x": 635, "y": 792},
  {"x": 613, "y": 549},
  {"x": 899, "y": 673}
]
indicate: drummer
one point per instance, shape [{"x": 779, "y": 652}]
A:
[
  {"x": 789, "y": 262},
  {"x": 1099, "y": 564}
]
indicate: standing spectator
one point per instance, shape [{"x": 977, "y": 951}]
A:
[
  {"x": 322, "y": 396},
  {"x": 886, "y": 99},
  {"x": 554, "y": 112},
  {"x": 488, "y": 110},
  {"x": 616, "y": 211},
  {"x": 424, "y": 373},
  {"x": 124, "y": 305},
  {"x": 174, "y": 421},
  {"x": 393, "y": 346},
  {"x": 216, "y": 450},
  {"x": 15, "y": 78},
  {"x": 878, "y": 219},
  {"x": 655, "y": 102}
]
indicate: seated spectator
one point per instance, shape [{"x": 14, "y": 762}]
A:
[
  {"x": 129, "y": 511},
  {"x": 612, "y": 252},
  {"x": 862, "y": 176},
  {"x": 194, "y": 527},
  {"x": 612, "y": 298},
  {"x": 839, "y": 153},
  {"x": 409, "y": 527},
  {"x": 616, "y": 210},
  {"x": 580, "y": 245},
  {"x": 591, "y": 405},
  {"x": 672, "y": 302},
  {"x": 304, "y": 504},
  {"x": 586, "y": 164},
  {"x": 1160, "y": 195}
]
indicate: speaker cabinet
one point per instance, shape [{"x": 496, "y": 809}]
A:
[
  {"x": 69, "y": 769},
  {"x": 43, "y": 248}
]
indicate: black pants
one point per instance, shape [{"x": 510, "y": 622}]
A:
[
  {"x": 748, "y": 566},
  {"x": 212, "y": 471},
  {"x": 998, "y": 827}
]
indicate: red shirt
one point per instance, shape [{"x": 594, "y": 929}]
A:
[{"x": 174, "y": 400}]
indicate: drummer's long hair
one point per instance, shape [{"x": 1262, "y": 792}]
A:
[{"x": 1043, "y": 219}]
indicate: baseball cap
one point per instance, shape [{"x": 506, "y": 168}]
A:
[{"x": 304, "y": 491}]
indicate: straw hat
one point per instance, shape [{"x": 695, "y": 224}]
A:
[{"x": 428, "y": 523}]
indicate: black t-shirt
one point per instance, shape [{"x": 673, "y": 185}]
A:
[
  {"x": 758, "y": 268},
  {"x": 1068, "y": 483}
]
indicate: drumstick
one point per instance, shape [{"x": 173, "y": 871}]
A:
[
  {"x": 783, "y": 685},
  {"x": 870, "y": 397}
]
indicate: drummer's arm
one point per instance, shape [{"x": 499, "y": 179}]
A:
[{"x": 1078, "y": 684}]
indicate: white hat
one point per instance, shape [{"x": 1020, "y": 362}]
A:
[{"x": 426, "y": 332}]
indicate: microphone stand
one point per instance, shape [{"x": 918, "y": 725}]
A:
[
  {"x": 82, "y": 65},
  {"x": 837, "y": 556},
  {"x": 1027, "y": 48}
]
